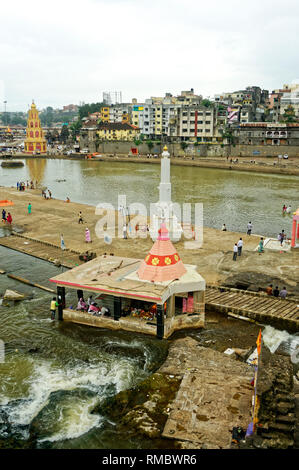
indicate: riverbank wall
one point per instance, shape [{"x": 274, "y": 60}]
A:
[
  {"x": 263, "y": 163},
  {"x": 197, "y": 150}
]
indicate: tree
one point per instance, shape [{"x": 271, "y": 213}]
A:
[
  {"x": 184, "y": 145},
  {"x": 150, "y": 144},
  {"x": 64, "y": 134},
  {"x": 206, "y": 103},
  {"x": 289, "y": 114},
  {"x": 75, "y": 128}
]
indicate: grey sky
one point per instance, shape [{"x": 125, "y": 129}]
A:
[{"x": 67, "y": 51}]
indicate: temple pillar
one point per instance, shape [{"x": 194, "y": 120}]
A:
[
  {"x": 117, "y": 308},
  {"x": 170, "y": 307},
  {"x": 60, "y": 301},
  {"x": 160, "y": 321}
]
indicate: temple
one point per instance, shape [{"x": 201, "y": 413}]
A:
[
  {"x": 35, "y": 142},
  {"x": 155, "y": 296},
  {"x": 163, "y": 210}
]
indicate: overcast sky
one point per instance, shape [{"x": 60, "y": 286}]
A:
[{"x": 69, "y": 51}]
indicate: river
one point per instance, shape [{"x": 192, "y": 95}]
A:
[
  {"x": 55, "y": 373},
  {"x": 230, "y": 197}
]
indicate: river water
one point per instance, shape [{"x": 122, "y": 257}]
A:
[
  {"x": 55, "y": 373},
  {"x": 230, "y": 197}
]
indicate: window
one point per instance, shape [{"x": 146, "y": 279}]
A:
[
  {"x": 185, "y": 122},
  {"x": 208, "y": 122}
]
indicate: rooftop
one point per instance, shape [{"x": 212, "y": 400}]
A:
[{"x": 117, "y": 276}]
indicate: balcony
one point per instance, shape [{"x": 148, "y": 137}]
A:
[{"x": 276, "y": 134}]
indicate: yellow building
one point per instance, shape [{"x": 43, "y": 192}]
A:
[
  {"x": 105, "y": 114},
  {"x": 35, "y": 141},
  {"x": 117, "y": 131}
]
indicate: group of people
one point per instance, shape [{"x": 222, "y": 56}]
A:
[
  {"x": 286, "y": 209},
  {"x": 92, "y": 307},
  {"x": 21, "y": 186},
  {"x": 87, "y": 231},
  {"x": 44, "y": 194},
  {"x": 276, "y": 292},
  {"x": 6, "y": 217},
  {"x": 238, "y": 249}
]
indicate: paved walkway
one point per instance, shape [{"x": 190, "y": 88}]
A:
[{"x": 259, "y": 307}]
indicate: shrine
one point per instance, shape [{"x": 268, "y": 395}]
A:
[
  {"x": 155, "y": 296},
  {"x": 35, "y": 142}
]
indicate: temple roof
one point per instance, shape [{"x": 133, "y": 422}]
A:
[
  {"x": 163, "y": 262},
  {"x": 118, "y": 276}
]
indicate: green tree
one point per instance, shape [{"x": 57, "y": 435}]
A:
[
  {"x": 64, "y": 134},
  {"x": 184, "y": 145},
  {"x": 150, "y": 144},
  {"x": 206, "y": 103},
  {"x": 289, "y": 114},
  {"x": 75, "y": 128}
]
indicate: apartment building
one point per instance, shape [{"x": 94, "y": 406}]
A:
[
  {"x": 267, "y": 133},
  {"x": 198, "y": 124}
]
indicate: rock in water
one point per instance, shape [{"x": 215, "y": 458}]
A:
[{"x": 13, "y": 295}]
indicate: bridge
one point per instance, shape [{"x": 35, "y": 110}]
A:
[{"x": 257, "y": 306}]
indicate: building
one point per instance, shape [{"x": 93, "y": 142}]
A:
[
  {"x": 117, "y": 131},
  {"x": 35, "y": 142},
  {"x": 266, "y": 133},
  {"x": 197, "y": 123},
  {"x": 290, "y": 97}
]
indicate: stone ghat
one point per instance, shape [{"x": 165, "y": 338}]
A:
[{"x": 258, "y": 307}]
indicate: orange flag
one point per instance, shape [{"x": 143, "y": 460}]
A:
[{"x": 259, "y": 342}]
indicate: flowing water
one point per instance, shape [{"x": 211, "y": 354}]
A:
[
  {"x": 229, "y": 197},
  {"x": 55, "y": 373}
]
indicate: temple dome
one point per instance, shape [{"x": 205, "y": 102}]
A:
[{"x": 163, "y": 262}]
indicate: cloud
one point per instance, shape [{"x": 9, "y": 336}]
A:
[{"x": 72, "y": 51}]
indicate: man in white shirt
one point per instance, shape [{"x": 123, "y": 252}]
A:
[
  {"x": 249, "y": 228},
  {"x": 235, "y": 252},
  {"x": 240, "y": 245}
]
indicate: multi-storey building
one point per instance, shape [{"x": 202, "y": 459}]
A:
[
  {"x": 266, "y": 133},
  {"x": 198, "y": 124},
  {"x": 290, "y": 97}
]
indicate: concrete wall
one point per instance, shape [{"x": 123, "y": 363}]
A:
[{"x": 202, "y": 150}]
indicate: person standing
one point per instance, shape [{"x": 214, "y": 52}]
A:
[
  {"x": 50, "y": 194},
  {"x": 9, "y": 218},
  {"x": 261, "y": 246},
  {"x": 3, "y": 215},
  {"x": 224, "y": 228},
  {"x": 284, "y": 209},
  {"x": 125, "y": 231},
  {"x": 53, "y": 308},
  {"x": 29, "y": 208},
  {"x": 249, "y": 228},
  {"x": 281, "y": 237},
  {"x": 240, "y": 246},
  {"x": 235, "y": 252},
  {"x": 80, "y": 220},
  {"x": 17, "y": 186},
  {"x": 87, "y": 236},
  {"x": 276, "y": 292}
]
